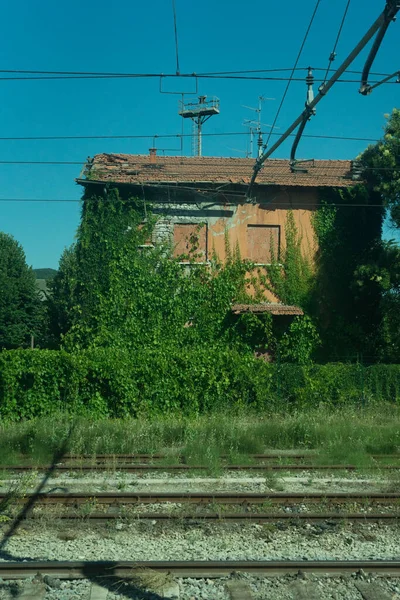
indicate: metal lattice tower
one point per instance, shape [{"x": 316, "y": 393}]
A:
[{"x": 199, "y": 112}]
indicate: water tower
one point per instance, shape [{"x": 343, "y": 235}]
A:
[{"x": 199, "y": 112}]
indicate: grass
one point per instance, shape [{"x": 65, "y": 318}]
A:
[{"x": 342, "y": 436}]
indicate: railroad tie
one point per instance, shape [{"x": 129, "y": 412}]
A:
[
  {"x": 305, "y": 591},
  {"x": 371, "y": 591},
  {"x": 98, "y": 592},
  {"x": 33, "y": 591},
  {"x": 238, "y": 590}
]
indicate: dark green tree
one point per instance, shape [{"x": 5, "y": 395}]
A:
[
  {"x": 349, "y": 238},
  {"x": 22, "y": 313},
  {"x": 381, "y": 164},
  {"x": 60, "y": 301}
]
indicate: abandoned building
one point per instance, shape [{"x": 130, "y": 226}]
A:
[{"x": 207, "y": 195}]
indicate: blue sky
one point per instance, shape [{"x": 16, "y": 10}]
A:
[{"x": 136, "y": 37}]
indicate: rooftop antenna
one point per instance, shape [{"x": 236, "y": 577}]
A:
[
  {"x": 255, "y": 126},
  {"x": 199, "y": 112}
]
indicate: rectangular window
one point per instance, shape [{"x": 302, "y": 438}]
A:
[
  {"x": 263, "y": 243},
  {"x": 190, "y": 241}
]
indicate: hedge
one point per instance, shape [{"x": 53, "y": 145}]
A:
[{"x": 116, "y": 383}]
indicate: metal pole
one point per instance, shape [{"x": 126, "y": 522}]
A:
[
  {"x": 199, "y": 124},
  {"x": 352, "y": 56}
]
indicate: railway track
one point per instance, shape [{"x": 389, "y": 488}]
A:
[
  {"x": 140, "y": 468},
  {"x": 199, "y": 569},
  {"x": 182, "y": 457},
  {"x": 235, "y": 498},
  {"x": 224, "y": 518}
]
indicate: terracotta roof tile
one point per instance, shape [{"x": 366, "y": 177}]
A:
[
  {"x": 273, "y": 309},
  {"x": 143, "y": 170}
]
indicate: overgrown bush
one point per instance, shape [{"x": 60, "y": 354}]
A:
[{"x": 166, "y": 381}]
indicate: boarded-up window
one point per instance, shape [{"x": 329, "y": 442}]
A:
[
  {"x": 190, "y": 240},
  {"x": 263, "y": 243}
]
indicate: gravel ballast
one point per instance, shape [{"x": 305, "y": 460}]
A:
[
  {"x": 262, "y": 588},
  {"x": 157, "y": 541},
  {"x": 303, "y": 481}
]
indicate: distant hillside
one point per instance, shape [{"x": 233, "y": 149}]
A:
[{"x": 45, "y": 273}]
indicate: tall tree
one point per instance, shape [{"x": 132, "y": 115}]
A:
[
  {"x": 60, "y": 301},
  {"x": 381, "y": 163},
  {"x": 21, "y": 310}
]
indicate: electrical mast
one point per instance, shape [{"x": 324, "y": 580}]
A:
[{"x": 199, "y": 112}]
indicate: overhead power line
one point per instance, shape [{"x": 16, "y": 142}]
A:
[
  {"x": 192, "y": 74},
  {"x": 272, "y": 204},
  {"x": 387, "y": 15},
  {"x": 176, "y": 38},
  {"x": 293, "y": 70},
  {"x": 39, "y": 76},
  {"x": 170, "y": 135},
  {"x": 333, "y": 53}
]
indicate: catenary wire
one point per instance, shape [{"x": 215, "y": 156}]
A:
[
  {"x": 333, "y": 53},
  {"x": 193, "y": 74},
  {"x": 169, "y": 75},
  {"x": 176, "y": 38},
  {"x": 272, "y": 203},
  {"x": 172, "y": 135},
  {"x": 293, "y": 70}
]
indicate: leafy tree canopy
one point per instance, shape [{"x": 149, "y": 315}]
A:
[
  {"x": 381, "y": 162},
  {"x": 21, "y": 311}
]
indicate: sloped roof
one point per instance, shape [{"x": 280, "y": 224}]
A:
[
  {"x": 147, "y": 170},
  {"x": 272, "y": 308}
]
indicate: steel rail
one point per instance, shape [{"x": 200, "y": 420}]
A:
[
  {"x": 194, "y": 569},
  {"x": 157, "y": 455},
  {"x": 223, "y": 518},
  {"x": 236, "y": 498},
  {"x": 133, "y": 468}
]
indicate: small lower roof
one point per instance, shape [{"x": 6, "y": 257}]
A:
[{"x": 273, "y": 308}]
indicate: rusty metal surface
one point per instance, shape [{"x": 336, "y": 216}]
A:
[
  {"x": 133, "y": 468},
  {"x": 293, "y": 518},
  {"x": 238, "y": 498},
  {"x": 200, "y": 569},
  {"x": 181, "y": 457}
]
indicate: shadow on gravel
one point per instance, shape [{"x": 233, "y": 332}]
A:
[
  {"x": 119, "y": 587},
  {"x": 126, "y": 588},
  {"x": 26, "y": 508}
]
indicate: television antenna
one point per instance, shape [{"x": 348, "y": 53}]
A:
[{"x": 254, "y": 126}]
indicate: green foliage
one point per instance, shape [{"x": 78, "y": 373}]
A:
[
  {"x": 290, "y": 276},
  {"x": 60, "y": 301},
  {"x": 299, "y": 342},
  {"x": 348, "y": 233},
  {"x": 111, "y": 290},
  {"x": 21, "y": 311},
  {"x": 381, "y": 163},
  {"x": 383, "y": 274},
  {"x": 108, "y": 382}
]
